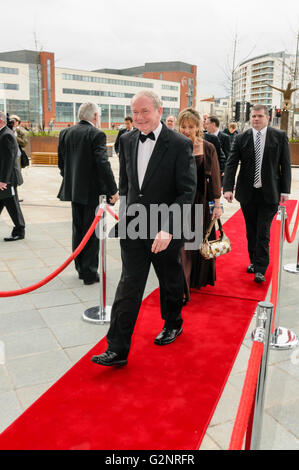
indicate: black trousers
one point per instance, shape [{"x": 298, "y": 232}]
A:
[
  {"x": 13, "y": 208},
  {"x": 258, "y": 216},
  {"x": 136, "y": 261},
  {"x": 87, "y": 261}
]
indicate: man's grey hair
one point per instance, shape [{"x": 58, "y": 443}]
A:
[
  {"x": 150, "y": 94},
  {"x": 87, "y": 110},
  {"x": 2, "y": 116}
]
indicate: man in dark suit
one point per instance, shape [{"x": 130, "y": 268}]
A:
[
  {"x": 86, "y": 172},
  {"x": 128, "y": 127},
  {"x": 212, "y": 126},
  {"x": 263, "y": 182},
  {"x": 157, "y": 168},
  {"x": 213, "y": 139},
  {"x": 10, "y": 177}
]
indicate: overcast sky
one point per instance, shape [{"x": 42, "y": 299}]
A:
[{"x": 117, "y": 34}]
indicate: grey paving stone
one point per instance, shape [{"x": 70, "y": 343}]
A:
[
  {"x": 54, "y": 298},
  {"x": 38, "y": 369},
  {"x": 79, "y": 333},
  {"x": 288, "y": 416},
  {"x": 56, "y": 316},
  {"x": 274, "y": 436},
  {"x": 19, "y": 303},
  {"x": 5, "y": 382},
  {"x": 19, "y": 322},
  {"x": 29, "y": 395},
  {"x": 77, "y": 352},
  {"x": 10, "y": 409},
  {"x": 29, "y": 342}
]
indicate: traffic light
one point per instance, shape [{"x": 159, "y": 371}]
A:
[
  {"x": 237, "y": 111},
  {"x": 270, "y": 113},
  {"x": 278, "y": 112},
  {"x": 247, "y": 113}
]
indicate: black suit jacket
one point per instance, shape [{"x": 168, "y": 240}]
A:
[
  {"x": 225, "y": 143},
  {"x": 216, "y": 142},
  {"x": 9, "y": 168},
  {"x": 170, "y": 177},
  {"x": 120, "y": 133},
  {"x": 84, "y": 164},
  {"x": 276, "y": 167}
]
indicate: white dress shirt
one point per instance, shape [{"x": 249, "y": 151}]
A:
[
  {"x": 145, "y": 150},
  {"x": 263, "y": 141}
]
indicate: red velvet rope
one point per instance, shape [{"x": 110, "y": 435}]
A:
[
  {"x": 44, "y": 281},
  {"x": 247, "y": 397},
  {"x": 291, "y": 238},
  {"x": 112, "y": 213}
]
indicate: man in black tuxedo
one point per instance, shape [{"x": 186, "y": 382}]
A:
[
  {"x": 86, "y": 172},
  {"x": 263, "y": 182},
  {"x": 128, "y": 127},
  {"x": 10, "y": 176},
  {"x": 157, "y": 167}
]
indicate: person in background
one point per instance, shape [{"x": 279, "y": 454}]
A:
[
  {"x": 10, "y": 175},
  {"x": 198, "y": 271},
  {"x": 171, "y": 122},
  {"x": 128, "y": 128},
  {"x": 86, "y": 173},
  {"x": 232, "y": 132},
  {"x": 264, "y": 181}
]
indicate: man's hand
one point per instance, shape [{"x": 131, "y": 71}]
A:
[
  {"x": 161, "y": 241},
  {"x": 283, "y": 198},
  {"x": 228, "y": 195},
  {"x": 114, "y": 198},
  {"x": 3, "y": 186}
]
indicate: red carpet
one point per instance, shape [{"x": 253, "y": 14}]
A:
[{"x": 165, "y": 397}]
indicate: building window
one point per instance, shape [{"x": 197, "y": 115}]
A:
[
  {"x": 169, "y": 98},
  {"x": 167, "y": 111},
  {"x": 115, "y": 94},
  {"x": 117, "y": 113},
  {"x": 49, "y": 85},
  {"x": 9, "y": 70},
  {"x": 64, "y": 112},
  {"x": 19, "y": 107},
  {"x": 109, "y": 81},
  {"x": 9, "y": 86},
  {"x": 170, "y": 87}
]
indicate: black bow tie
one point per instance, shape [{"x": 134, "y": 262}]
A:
[{"x": 143, "y": 137}]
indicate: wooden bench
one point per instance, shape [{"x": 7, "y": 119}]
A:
[
  {"x": 44, "y": 158},
  {"x": 51, "y": 158}
]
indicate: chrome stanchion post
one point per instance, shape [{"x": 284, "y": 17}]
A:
[
  {"x": 101, "y": 313},
  {"x": 282, "y": 338},
  {"x": 262, "y": 333}
]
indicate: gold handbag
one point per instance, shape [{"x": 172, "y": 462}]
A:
[{"x": 210, "y": 249}]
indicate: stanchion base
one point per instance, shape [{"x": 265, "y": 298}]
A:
[
  {"x": 283, "y": 338},
  {"x": 291, "y": 268},
  {"x": 97, "y": 315}
]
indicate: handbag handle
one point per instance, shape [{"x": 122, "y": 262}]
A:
[{"x": 210, "y": 227}]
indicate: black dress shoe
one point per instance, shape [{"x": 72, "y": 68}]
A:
[
  {"x": 88, "y": 281},
  {"x": 259, "y": 277},
  {"x": 14, "y": 238},
  {"x": 110, "y": 358},
  {"x": 250, "y": 268},
  {"x": 167, "y": 336}
]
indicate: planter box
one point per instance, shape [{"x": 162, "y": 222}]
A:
[
  {"x": 43, "y": 150},
  {"x": 294, "y": 149},
  {"x": 43, "y": 144}
]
